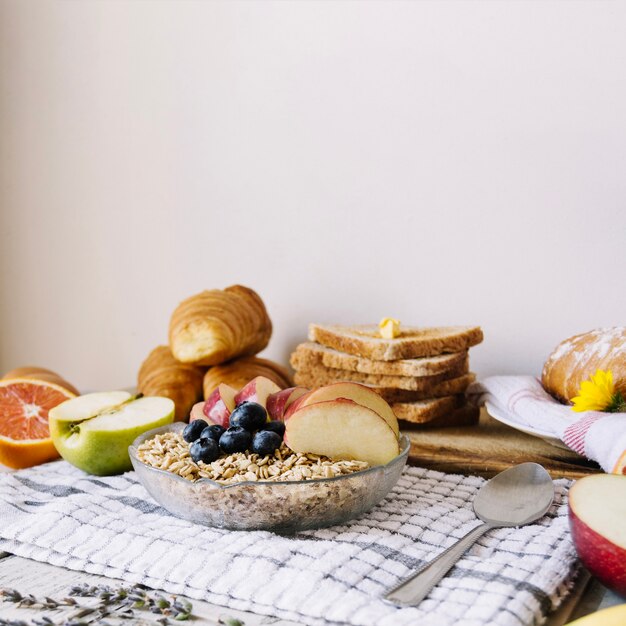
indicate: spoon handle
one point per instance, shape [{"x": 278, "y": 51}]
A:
[{"x": 412, "y": 590}]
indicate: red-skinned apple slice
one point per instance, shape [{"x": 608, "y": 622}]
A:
[
  {"x": 220, "y": 404},
  {"x": 341, "y": 429},
  {"x": 350, "y": 391},
  {"x": 597, "y": 510},
  {"x": 294, "y": 406},
  {"x": 278, "y": 403},
  {"x": 257, "y": 390},
  {"x": 197, "y": 412}
]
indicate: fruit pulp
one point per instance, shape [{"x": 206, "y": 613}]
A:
[{"x": 24, "y": 434}]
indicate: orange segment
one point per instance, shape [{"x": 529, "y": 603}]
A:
[{"x": 24, "y": 435}]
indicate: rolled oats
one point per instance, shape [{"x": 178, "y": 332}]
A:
[{"x": 169, "y": 451}]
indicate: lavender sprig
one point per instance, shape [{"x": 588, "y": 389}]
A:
[{"x": 115, "y": 602}]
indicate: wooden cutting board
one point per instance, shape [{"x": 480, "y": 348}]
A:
[{"x": 489, "y": 448}]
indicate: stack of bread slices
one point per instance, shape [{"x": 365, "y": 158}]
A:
[{"x": 422, "y": 372}]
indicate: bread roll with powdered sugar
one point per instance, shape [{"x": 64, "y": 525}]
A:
[{"x": 578, "y": 358}]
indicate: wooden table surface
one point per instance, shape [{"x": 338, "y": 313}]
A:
[
  {"x": 489, "y": 448},
  {"x": 483, "y": 450}
]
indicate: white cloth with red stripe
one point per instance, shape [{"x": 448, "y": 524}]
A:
[{"x": 522, "y": 400}]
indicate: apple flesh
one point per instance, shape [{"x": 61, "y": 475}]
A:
[
  {"x": 597, "y": 514},
  {"x": 257, "y": 390},
  {"x": 89, "y": 405},
  {"x": 220, "y": 404},
  {"x": 351, "y": 391},
  {"x": 341, "y": 429},
  {"x": 197, "y": 412},
  {"x": 279, "y": 402},
  {"x": 93, "y": 431}
]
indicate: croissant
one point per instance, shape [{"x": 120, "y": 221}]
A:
[
  {"x": 162, "y": 375},
  {"x": 219, "y": 325},
  {"x": 578, "y": 358},
  {"x": 241, "y": 371},
  {"x": 41, "y": 373}
]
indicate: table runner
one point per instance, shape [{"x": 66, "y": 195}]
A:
[{"x": 110, "y": 526}]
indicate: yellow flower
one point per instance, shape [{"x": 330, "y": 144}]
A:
[{"x": 598, "y": 394}]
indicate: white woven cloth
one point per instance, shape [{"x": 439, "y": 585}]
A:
[
  {"x": 512, "y": 577},
  {"x": 522, "y": 400}
]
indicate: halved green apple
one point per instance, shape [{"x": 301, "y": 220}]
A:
[{"x": 93, "y": 431}]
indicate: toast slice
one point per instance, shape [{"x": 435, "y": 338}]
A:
[
  {"x": 450, "y": 387},
  {"x": 464, "y": 415},
  {"x": 413, "y": 342},
  {"x": 318, "y": 377},
  {"x": 310, "y": 353},
  {"x": 409, "y": 383},
  {"x": 423, "y": 411}
]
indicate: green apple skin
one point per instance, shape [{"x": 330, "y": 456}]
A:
[{"x": 104, "y": 451}]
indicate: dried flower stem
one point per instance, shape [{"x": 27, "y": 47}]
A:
[{"x": 120, "y": 603}]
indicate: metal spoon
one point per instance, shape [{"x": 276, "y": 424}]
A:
[{"x": 516, "y": 496}]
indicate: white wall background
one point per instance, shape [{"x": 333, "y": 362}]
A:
[{"x": 440, "y": 162}]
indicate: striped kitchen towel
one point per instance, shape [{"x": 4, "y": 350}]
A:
[
  {"x": 110, "y": 526},
  {"x": 522, "y": 401}
]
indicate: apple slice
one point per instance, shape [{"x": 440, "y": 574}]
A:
[
  {"x": 220, "y": 404},
  {"x": 341, "y": 429},
  {"x": 279, "y": 402},
  {"x": 597, "y": 513},
  {"x": 90, "y": 405},
  {"x": 352, "y": 391},
  {"x": 257, "y": 390},
  {"x": 197, "y": 412},
  {"x": 93, "y": 431}
]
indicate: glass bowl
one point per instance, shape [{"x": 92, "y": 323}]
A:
[{"x": 286, "y": 507}]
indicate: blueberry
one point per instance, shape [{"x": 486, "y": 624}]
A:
[
  {"x": 193, "y": 429},
  {"x": 249, "y": 415},
  {"x": 276, "y": 427},
  {"x": 266, "y": 442},
  {"x": 205, "y": 450},
  {"x": 214, "y": 431},
  {"x": 235, "y": 439}
]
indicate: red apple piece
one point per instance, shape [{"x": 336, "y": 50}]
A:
[
  {"x": 294, "y": 406},
  {"x": 279, "y": 402},
  {"x": 257, "y": 390},
  {"x": 597, "y": 513},
  {"x": 220, "y": 404},
  {"x": 341, "y": 429},
  {"x": 197, "y": 412},
  {"x": 352, "y": 391}
]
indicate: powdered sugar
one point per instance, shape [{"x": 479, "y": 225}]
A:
[{"x": 577, "y": 358}]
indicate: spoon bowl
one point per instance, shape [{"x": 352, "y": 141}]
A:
[{"x": 517, "y": 496}]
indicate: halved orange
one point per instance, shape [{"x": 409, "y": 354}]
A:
[
  {"x": 34, "y": 372},
  {"x": 24, "y": 435}
]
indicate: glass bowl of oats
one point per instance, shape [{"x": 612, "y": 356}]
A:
[{"x": 284, "y": 492}]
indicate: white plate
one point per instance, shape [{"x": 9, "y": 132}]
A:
[{"x": 524, "y": 428}]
